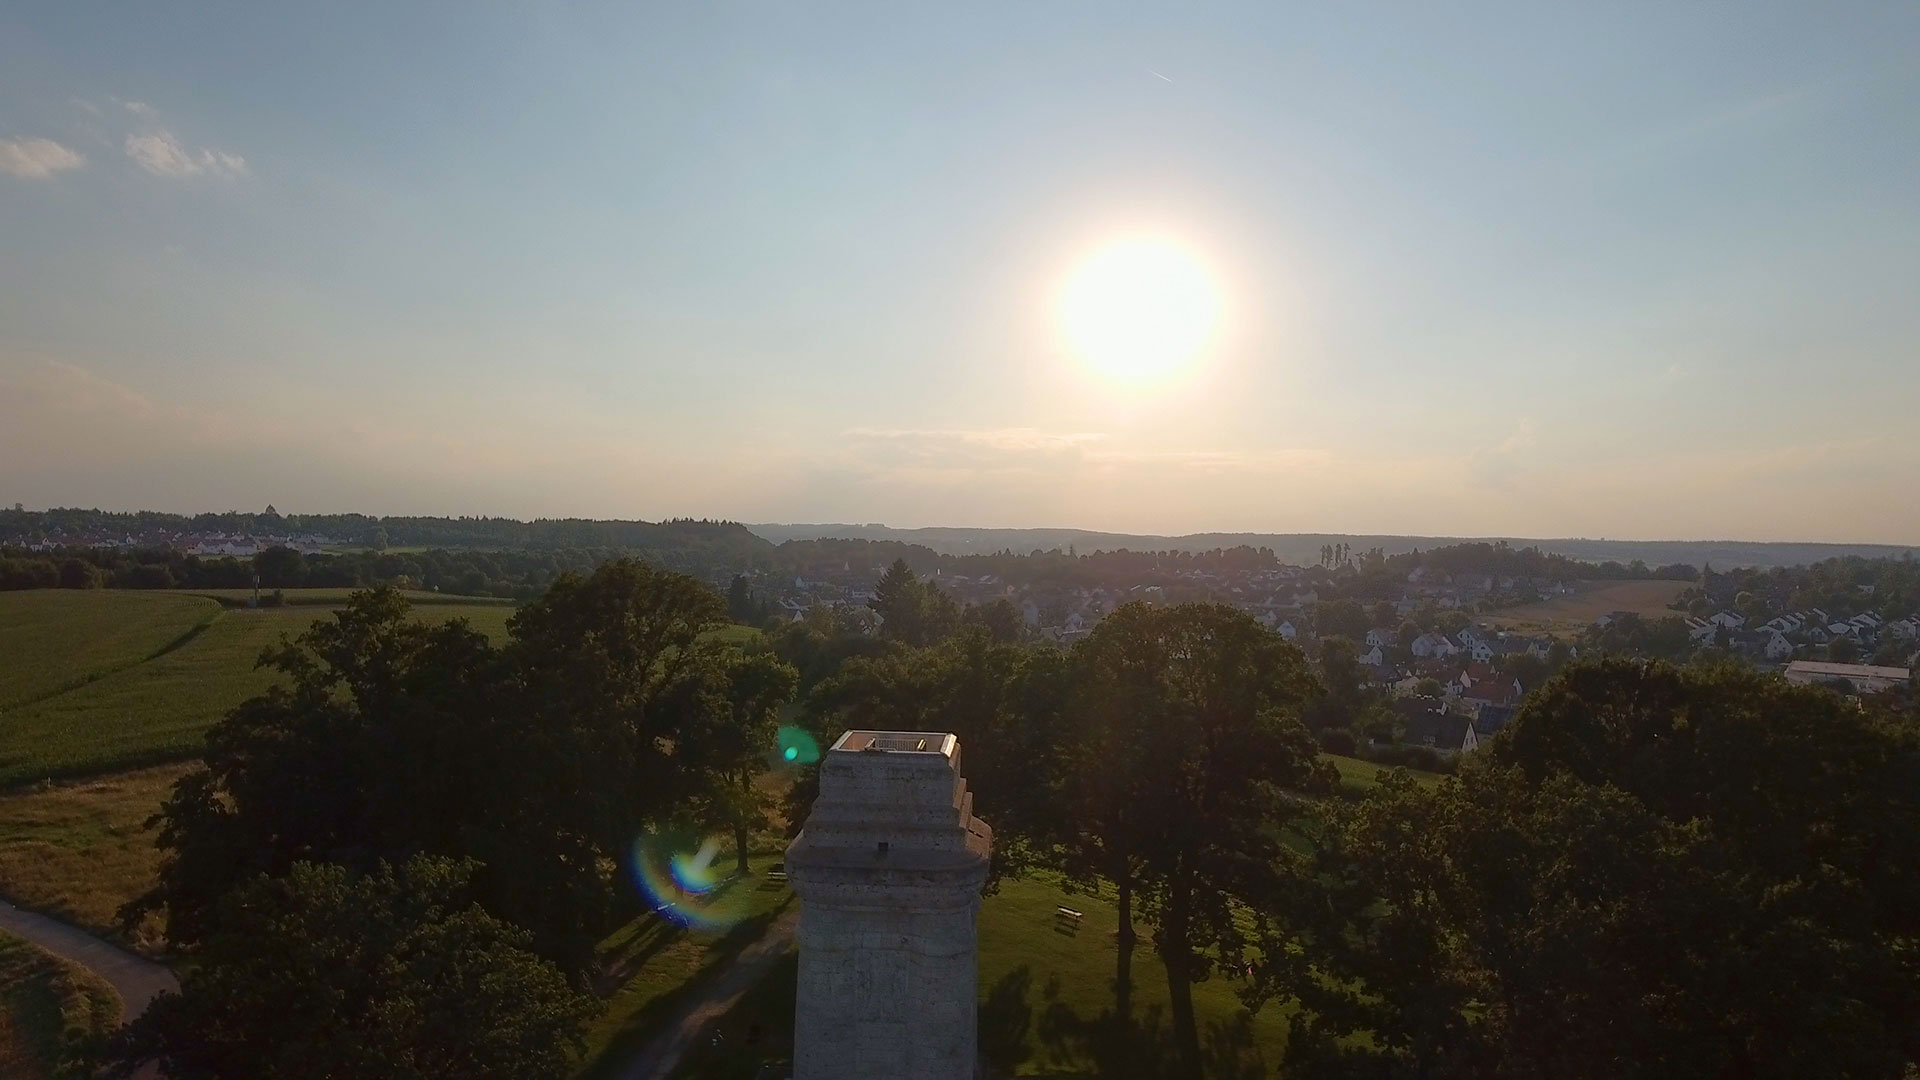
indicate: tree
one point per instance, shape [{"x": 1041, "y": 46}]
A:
[
  {"x": 1384, "y": 613},
  {"x": 1843, "y": 650},
  {"x": 1193, "y": 713},
  {"x": 911, "y": 612},
  {"x": 732, "y": 734},
  {"x": 1342, "y": 618},
  {"x": 542, "y": 760},
  {"x": 394, "y": 973},
  {"x": 999, "y": 618},
  {"x": 740, "y": 606},
  {"x": 1652, "y": 872},
  {"x": 280, "y": 567},
  {"x": 79, "y": 574}
]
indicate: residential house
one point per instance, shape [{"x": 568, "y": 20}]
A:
[
  {"x": 1732, "y": 620},
  {"x": 1287, "y": 630},
  {"x": 1777, "y": 646},
  {"x": 1374, "y": 657},
  {"x": 1434, "y": 645},
  {"x": 1381, "y": 638}
]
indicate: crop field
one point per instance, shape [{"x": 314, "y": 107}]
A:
[
  {"x": 335, "y": 597},
  {"x": 1568, "y": 615},
  {"x": 54, "y": 639},
  {"x": 152, "y": 710}
]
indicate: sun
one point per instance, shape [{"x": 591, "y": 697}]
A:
[{"x": 1139, "y": 309}]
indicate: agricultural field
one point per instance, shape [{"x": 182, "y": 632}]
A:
[
  {"x": 54, "y": 639},
  {"x": 152, "y": 709},
  {"x": 330, "y": 598},
  {"x": 1566, "y": 616},
  {"x": 46, "y": 1007}
]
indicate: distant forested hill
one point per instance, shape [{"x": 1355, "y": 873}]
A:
[
  {"x": 1304, "y": 548},
  {"x": 453, "y": 533}
]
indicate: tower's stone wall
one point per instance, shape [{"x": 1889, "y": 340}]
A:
[{"x": 889, "y": 869}]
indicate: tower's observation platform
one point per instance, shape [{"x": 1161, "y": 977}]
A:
[{"x": 889, "y": 869}]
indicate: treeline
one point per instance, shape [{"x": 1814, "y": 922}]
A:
[
  {"x": 1841, "y": 587},
  {"x": 519, "y": 575},
  {"x": 674, "y": 541},
  {"x": 407, "y": 851}
]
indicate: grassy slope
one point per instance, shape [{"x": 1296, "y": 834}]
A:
[
  {"x": 1568, "y": 615},
  {"x": 1361, "y": 775},
  {"x": 44, "y": 1005},
  {"x": 52, "y": 639},
  {"x": 649, "y": 961},
  {"x": 1043, "y": 989},
  {"x": 156, "y": 711},
  {"x": 78, "y": 851},
  {"x": 1044, "y": 993}
]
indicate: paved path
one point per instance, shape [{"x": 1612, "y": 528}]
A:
[
  {"x": 136, "y": 979},
  {"x": 658, "y": 1058}
]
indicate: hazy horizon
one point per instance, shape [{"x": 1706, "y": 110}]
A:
[{"x": 1494, "y": 270}]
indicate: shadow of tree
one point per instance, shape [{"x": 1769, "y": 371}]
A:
[
  {"x": 1005, "y": 1021},
  {"x": 1072, "y": 1045}
]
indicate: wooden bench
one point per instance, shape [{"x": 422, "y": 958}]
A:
[{"x": 1066, "y": 913}]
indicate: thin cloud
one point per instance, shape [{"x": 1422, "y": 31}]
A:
[
  {"x": 140, "y": 108},
  {"x": 36, "y": 159},
  {"x": 1010, "y": 439},
  {"x": 162, "y": 155}
]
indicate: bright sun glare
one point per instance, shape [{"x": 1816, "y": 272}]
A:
[{"x": 1139, "y": 309}]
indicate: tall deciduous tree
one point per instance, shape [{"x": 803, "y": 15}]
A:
[
  {"x": 1652, "y": 872},
  {"x": 1192, "y": 713},
  {"x": 327, "y": 973},
  {"x": 731, "y": 737}
]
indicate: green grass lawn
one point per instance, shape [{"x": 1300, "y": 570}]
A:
[
  {"x": 1046, "y": 1001},
  {"x": 48, "y": 1010},
  {"x": 648, "y": 962},
  {"x": 54, "y": 639},
  {"x": 1360, "y": 775},
  {"x": 157, "y": 710}
]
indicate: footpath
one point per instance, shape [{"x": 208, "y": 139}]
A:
[{"x": 711, "y": 1000}]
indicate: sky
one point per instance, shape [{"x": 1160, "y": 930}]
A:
[{"x": 1621, "y": 270}]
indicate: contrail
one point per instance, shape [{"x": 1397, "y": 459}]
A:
[{"x": 1157, "y": 75}]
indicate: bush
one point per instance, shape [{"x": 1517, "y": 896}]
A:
[{"x": 1337, "y": 741}]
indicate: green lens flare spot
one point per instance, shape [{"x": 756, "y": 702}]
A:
[{"x": 797, "y": 746}]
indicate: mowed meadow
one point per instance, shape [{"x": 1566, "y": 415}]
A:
[{"x": 94, "y": 681}]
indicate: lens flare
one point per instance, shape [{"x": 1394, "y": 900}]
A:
[
  {"x": 678, "y": 877},
  {"x": 797, "y": 747}
]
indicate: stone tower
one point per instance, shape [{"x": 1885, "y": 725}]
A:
[{"x": 889, "y": 870}]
